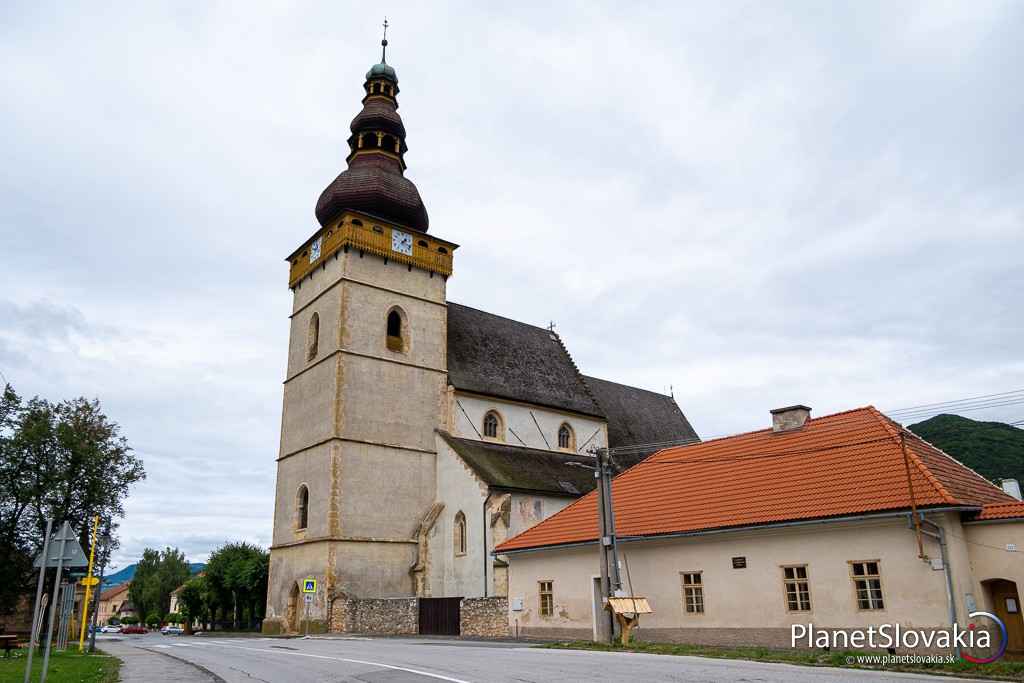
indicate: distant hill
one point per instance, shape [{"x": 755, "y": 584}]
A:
[
  {"x": 992, "y": 449},
  {"x": 126, "y": 574}
]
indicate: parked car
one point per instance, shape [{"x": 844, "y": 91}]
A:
[
  {"x": 110, "y": 628},
  {"x": 172, "y": 630},
  {"x": 134, "y": 630}
]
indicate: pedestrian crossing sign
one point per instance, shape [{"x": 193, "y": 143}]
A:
[{"x": 309, "y": 586}]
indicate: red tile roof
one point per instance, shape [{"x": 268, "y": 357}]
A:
[
  {"x": 1000, "y": 511},
  {"x": 842, "y": 464}
]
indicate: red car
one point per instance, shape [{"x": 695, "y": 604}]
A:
[{"x": 134, "y": 629}]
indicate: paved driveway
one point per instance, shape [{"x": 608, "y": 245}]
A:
[{"x": 421, "y": 660}]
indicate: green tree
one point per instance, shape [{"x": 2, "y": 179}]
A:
[
  {"x": 157, "y": 574},
  {"x": 193, "y": 602},
  {"x": 237, "y": 578},
  {"x": 65, "y": 461}
]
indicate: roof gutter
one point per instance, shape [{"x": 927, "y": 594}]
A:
[{"x": 749, "y": 527}]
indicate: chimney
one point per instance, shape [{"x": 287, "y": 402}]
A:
[
  {"x": 790, "y": 417},
  {"x": 1011, "y": 486}
]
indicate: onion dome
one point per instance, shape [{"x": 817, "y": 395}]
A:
[{"x": 375, "y": 181}]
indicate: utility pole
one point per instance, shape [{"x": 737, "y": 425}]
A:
[{"x": 611, "y": 581}]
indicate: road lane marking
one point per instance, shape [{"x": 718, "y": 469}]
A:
[{"x": 336, "y": 659}]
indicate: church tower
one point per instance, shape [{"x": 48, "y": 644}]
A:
[{"x": 365, "y": 384}]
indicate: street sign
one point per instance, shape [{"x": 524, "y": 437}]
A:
[
  {"x": 309, "y": 585},
  {"x": 74, "y": 556},
  {"x": 90, "y": 581},
  {"x": 309, "y": 598}
]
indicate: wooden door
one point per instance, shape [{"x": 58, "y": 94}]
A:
[
  {"x": 1006, "y": 605},
  {"x": 440, "y": 616}
]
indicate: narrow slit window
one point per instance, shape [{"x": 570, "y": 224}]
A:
[
  {"x": 303, "y": 507},
  {"x": 313, "y": 338},
  {"x": 395, "y": 341},
  {"x": 460, "y": 533}
]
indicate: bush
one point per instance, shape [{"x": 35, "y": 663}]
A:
[
  {"x": 129, "y": 620},
  {"x": 153, "y": 620},
  {"x": 173, "y": 618}
]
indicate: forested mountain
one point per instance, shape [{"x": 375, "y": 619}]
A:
[{"x": 992, "y": 449}]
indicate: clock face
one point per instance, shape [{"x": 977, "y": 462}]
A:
[
  {"x": 314, "y": 249},
  {"x": 401, "y": 242}
]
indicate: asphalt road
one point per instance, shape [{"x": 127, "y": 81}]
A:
[{"x": 421, "y": 660}]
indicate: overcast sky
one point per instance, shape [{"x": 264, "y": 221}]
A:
[{"x": 756, "y": 203}]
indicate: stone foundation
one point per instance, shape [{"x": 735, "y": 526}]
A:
[{"x": 484, "y": 617}]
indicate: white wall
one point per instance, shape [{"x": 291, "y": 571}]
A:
[{"x": 517, "y": 418}]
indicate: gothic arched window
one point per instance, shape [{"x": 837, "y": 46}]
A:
[
  {"x": 566, "y": 437},
  {"x": 459, "y": 531},
  {"x": 302, "y": 507},
  {"x": 396, "y": 332},
  {"x": 493, "y": 428},
  {"x": 313, "y": 337}
]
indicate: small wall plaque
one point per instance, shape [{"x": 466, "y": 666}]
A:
[{"x": 739, "y": 563}]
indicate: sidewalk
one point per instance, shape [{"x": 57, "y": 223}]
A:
[{"x": 147, "y": 666}]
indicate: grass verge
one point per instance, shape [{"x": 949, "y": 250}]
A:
[
  {"x": 65, "y": 667},
  {"x": 999, "y": 670}
]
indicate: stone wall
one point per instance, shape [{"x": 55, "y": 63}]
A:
[
  {"x": 484, "y": 617},
  {"x": 382, "y": 616}
]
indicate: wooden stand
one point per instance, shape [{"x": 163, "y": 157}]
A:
[{"x": 627, "y": 613}]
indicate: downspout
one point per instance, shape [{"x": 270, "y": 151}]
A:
[
  {"x": 486, "y": 554},
  {"x": 944, "y": 554}
]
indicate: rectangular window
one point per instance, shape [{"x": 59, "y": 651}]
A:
[
  {"x": 693, "y": 592},
  {"x": 867, "y": 582},
  {"x": 547, "y": 598},
  {"x": 798, "y": 590}
]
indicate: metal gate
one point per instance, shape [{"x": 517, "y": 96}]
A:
[{"x": 439, "y": 616}]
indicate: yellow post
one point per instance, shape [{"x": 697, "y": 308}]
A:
[{"x": 88, "y": 585}]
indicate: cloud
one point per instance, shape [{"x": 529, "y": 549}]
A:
[{"x": 755, "y": 204}]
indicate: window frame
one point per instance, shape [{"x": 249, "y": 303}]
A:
[
  {"x": 499, "y": 427},
  {"x": 697, "y": 586},
  {"x": 867, "y": 577},
  {"x": 313, "y": 337},
  {"x": 796, "y": 581},
  {"x": 460, "y": 542},
  {"x": 549, "y": 611},
  {"x": 302, "y": 508},
  {"x": 571, "y": 445},
  {"x": 401, "y": 342}
]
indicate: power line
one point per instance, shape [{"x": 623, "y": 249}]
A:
[{"x": 961, "y": 400}]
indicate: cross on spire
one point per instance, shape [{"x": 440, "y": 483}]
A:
[{"x": 384, "y": 43}]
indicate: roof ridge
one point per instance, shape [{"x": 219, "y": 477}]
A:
[
  {"x": 630, "y": 386},
  {"x": 495, "y": 315},
  {"x": 723, "y": 437},
  {"x": 887, "y": 423}
]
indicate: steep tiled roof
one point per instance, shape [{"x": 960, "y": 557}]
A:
[
  {"x": 1000, "y": 511},
  {"x": 843, "y": 464},
  {"x": 488, "y": 354},
  {"x": 525, "y": 469},
  {"x": 637, "y": 416},
  {"x": 115, "y": 591}
]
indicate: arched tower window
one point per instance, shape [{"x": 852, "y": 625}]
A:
[
  {"x": 302, "y": 507},
  {"x": 459, "y": 531},
  {"x": 493, "y": 427},
  {"x": 566, "y": 437},
  {"x": 397, "y": 331},
  {"x": 313, "y": 338}
]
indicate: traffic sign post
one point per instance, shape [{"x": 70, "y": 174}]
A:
[
  {"x": 89, "y": 581},
  {"x": 38, "y": 608},
  {"x": 309, "y": 591}
]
